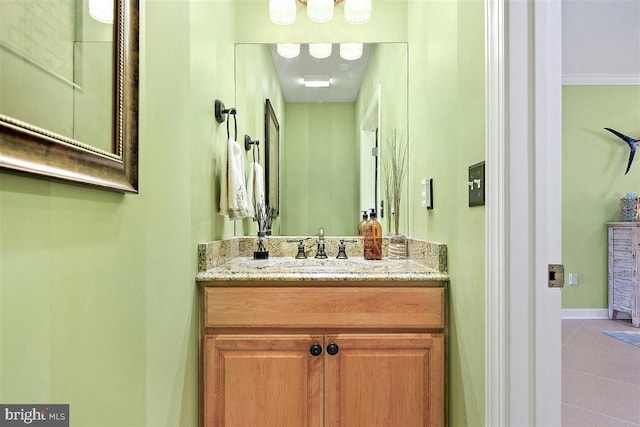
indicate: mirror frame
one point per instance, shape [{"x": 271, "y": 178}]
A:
[
  {"x": 271, "y": 165},
  {"x": 25, "y": 148}
]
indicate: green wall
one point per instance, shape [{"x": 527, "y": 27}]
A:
[
  {"x": 593, "y": 181},
  {"x": 446, "y": 119},
  {"x": 319, "y": 169},
  {"x": 97, "y": 298},
  {"x": 98, "y": 306}
]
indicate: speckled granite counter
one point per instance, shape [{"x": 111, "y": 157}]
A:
[{"x": 231, "y": 260}]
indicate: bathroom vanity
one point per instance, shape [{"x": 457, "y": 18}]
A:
[{"x": 289, "y": 342}]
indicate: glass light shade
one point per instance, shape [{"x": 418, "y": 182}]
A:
[
  {"x": 357, "y": 11},
  {"x": 350, "y": 51},
  {"x": 288, "y": 50},
  {"x": 282, "y": 12},
  {"x": 320, "y": 50},
  {"x": 101, "y": 10},
  {"x": 320, "y": 10}
]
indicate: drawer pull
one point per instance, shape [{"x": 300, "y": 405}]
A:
[
  {"x": 333, "y": 349},
  {"x": 316, "y": 349}
]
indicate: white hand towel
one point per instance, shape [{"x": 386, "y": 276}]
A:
[
  {"x": 233, "y": 192},
  {"x": 255, "y": 187}
]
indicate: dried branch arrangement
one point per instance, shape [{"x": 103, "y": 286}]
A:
[{"x": 395, "y": 159}]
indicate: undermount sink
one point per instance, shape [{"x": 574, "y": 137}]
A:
[{"x": 312, "y": 264}]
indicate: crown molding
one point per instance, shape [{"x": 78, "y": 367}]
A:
[{"x": 600, "y": 79}]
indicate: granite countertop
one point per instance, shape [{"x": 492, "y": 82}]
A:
[
  {"x": 231, "y": 260},
  {"x": 311, "y": 269}
]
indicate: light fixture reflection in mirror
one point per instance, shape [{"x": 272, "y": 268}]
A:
[
  {"x": 351, "y": 51},
  {"x": 288, "y": 50},
  {"x": 316, "y": 81},
  {"x": 101, "y": 10},
  {"x": 320, "y": 50}
]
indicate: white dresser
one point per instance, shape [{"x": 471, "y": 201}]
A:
[{"x": 624, "y": 268}]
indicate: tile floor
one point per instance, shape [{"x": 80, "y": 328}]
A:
[{"x": 600, "y": 375}]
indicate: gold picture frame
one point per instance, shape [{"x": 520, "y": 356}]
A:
[{"x": 29, "y": 149}]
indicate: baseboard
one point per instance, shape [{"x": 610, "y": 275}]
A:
[{"x": 590, "y": 313}]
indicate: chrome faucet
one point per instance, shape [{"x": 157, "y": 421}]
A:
[{"x": 320, "y": 253}]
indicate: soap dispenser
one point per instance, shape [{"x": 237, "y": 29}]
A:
[
  {"x": 373, "y": 237},
  {"x": 363, "y": 223}
]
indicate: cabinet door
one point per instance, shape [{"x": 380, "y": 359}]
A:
[
  {"x": 385, "y": 380},
  {"x": 262, "y": 380}
]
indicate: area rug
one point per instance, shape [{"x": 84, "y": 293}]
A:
[{"x": 631, "y": 337}]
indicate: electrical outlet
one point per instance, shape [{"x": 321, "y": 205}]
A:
[{"x": 573, "y": 279}]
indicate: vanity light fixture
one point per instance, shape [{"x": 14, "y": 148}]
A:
[
  {"x": 316, "y": 81},
  {"x": 350, "y": 51},
  {"x": 357, "y": 11},
  {"x": 101, "y": 10},
  {"x": 320, "y": 50},
  {"x": 288, "y": 50},
  {"x": 283, "y": 12},
  {"x": 320, "y": 11}
]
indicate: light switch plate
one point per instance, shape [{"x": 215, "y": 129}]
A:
[
  {"x": 476, "y": 184},
  {"x": 426, "y": 191}
]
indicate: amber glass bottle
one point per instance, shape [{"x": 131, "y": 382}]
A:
[{"x": 373, "y": 238}]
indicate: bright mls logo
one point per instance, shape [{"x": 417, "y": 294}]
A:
[{"x": 34, "y": 415}]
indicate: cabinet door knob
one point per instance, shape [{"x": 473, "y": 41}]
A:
[
  {"x": 333, "y": 349},
  {"x": 316, "y": 349}
]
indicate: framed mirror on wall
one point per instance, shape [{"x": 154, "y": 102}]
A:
[
  {"x": 272, "y": 159},
  {"x": 76, "y": 123}
]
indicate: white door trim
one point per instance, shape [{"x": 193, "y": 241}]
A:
[
  {"x": 523, "y": 83},
  {"x": 369, "y": 126},
  {"x": 496, "y": 303}
]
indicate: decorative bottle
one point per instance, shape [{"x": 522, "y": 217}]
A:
[{"x": 373, "y": 238}]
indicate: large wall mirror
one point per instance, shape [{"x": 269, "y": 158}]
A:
[
  {"x": 69, "y": 90},
  {"x": 333, "y": 132}
]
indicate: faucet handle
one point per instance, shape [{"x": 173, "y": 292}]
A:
[
  {"x": 321, "y": 233},
  {"x": 342, "y": 254},
  {"x": 300, "y": 254}
]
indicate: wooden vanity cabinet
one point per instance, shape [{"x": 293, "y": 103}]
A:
[{"x": 323, "y": 356}]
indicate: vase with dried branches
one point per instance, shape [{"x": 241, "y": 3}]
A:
[{"x": 395, "y": 157}]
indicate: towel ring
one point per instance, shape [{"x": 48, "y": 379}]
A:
[
  {"x": 232, "y": 111},
  {"x": 248, "y": 143},
  {"x": 254, "y": 153},
  {"x": 220, "y": 111}
]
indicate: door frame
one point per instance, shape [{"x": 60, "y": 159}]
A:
[
  {"x": 524, "y": 217},
  {"x": 369, "y": 128}
]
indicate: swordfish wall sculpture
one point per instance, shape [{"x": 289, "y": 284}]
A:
[{"x": 633, "y": 145}]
